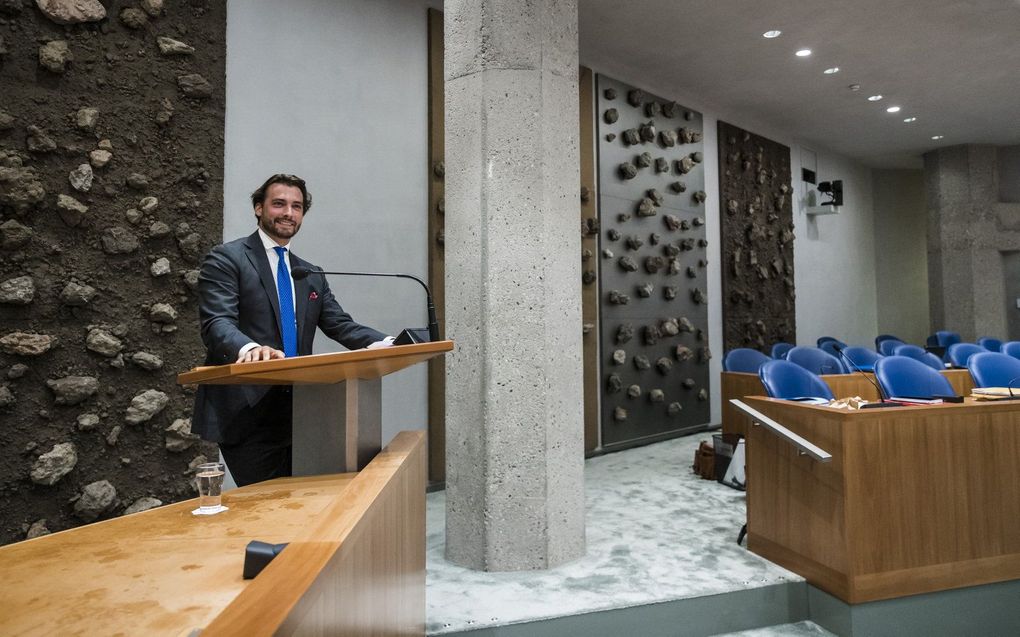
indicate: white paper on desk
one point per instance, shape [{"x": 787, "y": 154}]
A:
[
  {"x": 915, "y": 401},
  {"x": 811, "y": 400}
]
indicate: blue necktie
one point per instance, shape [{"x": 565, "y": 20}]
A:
[{"x": 288, "y": 326}]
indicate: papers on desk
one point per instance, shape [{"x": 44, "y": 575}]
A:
[
  {"x": 810, "y": 400},
  {"x": 994, "y": 391},
  {"x": 910, "y": 400}
]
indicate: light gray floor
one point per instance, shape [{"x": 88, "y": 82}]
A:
[{"x": 655, "y": 533}]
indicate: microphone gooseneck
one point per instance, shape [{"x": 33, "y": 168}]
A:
[
  {"x": 299, "y": 272},
  {"x": 881, "y": 395}
]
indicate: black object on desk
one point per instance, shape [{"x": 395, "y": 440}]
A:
[{"x": 258, "y": 555}]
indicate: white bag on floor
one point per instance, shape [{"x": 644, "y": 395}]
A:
[{"x": 734, "y": 476}]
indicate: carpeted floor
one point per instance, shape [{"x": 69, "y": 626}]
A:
[{"x": 655, "y": 532}]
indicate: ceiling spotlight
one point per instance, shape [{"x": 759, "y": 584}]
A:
[
  {"x": 874, "y": 98},
  {"x": 832, "y": 70},
  {"x": 937, "y": 136},
  {"x": 774, "y": 33},
  {"x": 803, "y": 53},
  {"x": 893, "y": 109},
  {"x": 854, "y": 87},
  {"x": 910, "y": 119}
]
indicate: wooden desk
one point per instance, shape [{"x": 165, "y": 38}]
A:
[
  {"x": 915, "y": 499},
  {"x": 737, "y": 385},
  {"x": 355, "y": 564}
]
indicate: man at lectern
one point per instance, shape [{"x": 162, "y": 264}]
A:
[{"x": 251, "y": 309}]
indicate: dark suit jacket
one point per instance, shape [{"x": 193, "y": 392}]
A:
[{"x": 238, "y": 304}]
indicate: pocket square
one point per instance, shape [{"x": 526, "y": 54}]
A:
[{"x": 313, "y": 295}]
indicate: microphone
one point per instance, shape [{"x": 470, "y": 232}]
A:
[
  {"x": 882, "y": 402},
  {"x": 406, "y": 337}
]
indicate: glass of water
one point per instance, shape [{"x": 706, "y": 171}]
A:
[{"x": 210, "y": 484}]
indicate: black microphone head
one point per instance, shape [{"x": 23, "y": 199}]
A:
[{"x": 299, "y": 272}]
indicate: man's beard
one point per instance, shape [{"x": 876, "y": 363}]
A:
[{"x": 274, "y": 229}]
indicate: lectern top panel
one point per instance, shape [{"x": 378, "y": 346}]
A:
[{"x": 318, "y": 369}]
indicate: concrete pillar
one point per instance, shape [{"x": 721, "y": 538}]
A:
[
  {"x": 968, "y": 232},
  {"x": 514, "y": 442}
]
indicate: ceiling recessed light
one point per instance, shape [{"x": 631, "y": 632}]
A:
[
  {"x": 893, "y": 109},
  {"x": 874, "y": 98},
  {"x": 774, "y": 33},
  {"x": 937, "y": 136},
  {"x": 910, "y": 119},
  {"x": 854, "y": 87},
  {"x": 803, "y": 53},
  {"x": 832, "y": 70}
]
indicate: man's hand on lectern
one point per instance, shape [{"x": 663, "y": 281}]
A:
[
  {"x": 260, "y": 353},
  {"x": 386, "y": 342}
]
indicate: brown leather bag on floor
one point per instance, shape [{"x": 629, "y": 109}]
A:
[{"x": 704, "y": 460}]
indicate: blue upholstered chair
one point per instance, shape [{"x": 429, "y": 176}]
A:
[
  {"x": 863, "y": 357},
  {"x": 783, "y": 379},
  {"x": 830, "y": 347},
  {"x": 815, "y": 360},
  {"x": 943, "y": 338},
  {"x": 990, "y": 344},
  {"x": 913, "y": 351},
  {"x": 888, "y": 346},
  {"x": 994, "y": 369},
  {"x": 933, "y": 361},
  {"x": 826, "y": 339},
  {"x": 745, "y": 360},
  {"x": 958, "y": 353},
  {"x": 1012, "y": 348},
  {"x": 885, "y": 337},
  {"x": 780, "y": 349},
  {"x": 900, "y": 376}
]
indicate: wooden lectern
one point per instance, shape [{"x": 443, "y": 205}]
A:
[{"x": 337, "y": 399}]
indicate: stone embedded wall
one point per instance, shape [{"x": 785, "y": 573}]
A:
[
  {"x": 111, "y": 163},
  {"x": 755, "y": 195},
  {"x": 652, "y": 266}
]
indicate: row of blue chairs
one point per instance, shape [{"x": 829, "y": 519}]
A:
[
  {"x": 942, "y": 338},
  {"x": 896, "y": 375},
  {"x": 748, "y": 360},
  {"x": 815, "y": 359}
]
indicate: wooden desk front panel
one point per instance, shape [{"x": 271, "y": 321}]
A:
[
  {"x": 796, "y": 505},
  {"x": 936, "y": 498},
  {"x": 929, "y": 498}
]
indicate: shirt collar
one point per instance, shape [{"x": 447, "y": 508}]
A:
[{"x": 268, "y": 243}]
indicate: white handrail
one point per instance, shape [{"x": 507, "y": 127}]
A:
[{"x": 804, "y": 446}]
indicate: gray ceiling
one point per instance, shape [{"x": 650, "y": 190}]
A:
[{"x": 953, "y": 65}]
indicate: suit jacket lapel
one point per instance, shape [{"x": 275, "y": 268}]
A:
[{"x": 260, "y": 262}]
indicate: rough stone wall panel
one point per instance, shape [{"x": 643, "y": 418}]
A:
[
  {"x": 111, "y": 164},
  {"x": 651, "y": 234},
  {"x": 755, "y": 201}
]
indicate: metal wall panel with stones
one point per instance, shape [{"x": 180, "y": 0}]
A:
[
  {"x": 755, "y": 201},
  {"x": 655, "y": 379},
  {"x": 111, "y": 163}
]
